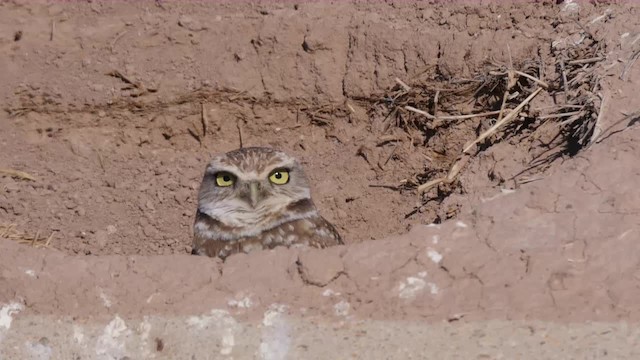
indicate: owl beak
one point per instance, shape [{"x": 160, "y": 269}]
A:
[{"x": 253, "y": 193}]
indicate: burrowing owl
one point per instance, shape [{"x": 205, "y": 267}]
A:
[{"x": 257, "y": 198}]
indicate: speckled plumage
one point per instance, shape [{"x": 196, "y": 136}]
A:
[{"x": 234, "y": 219}]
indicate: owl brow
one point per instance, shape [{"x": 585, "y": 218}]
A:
[
  {"x": 233, "y": 171},
  {"x": 221, "y": 169}
]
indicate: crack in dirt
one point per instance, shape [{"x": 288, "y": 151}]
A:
[
  {"x": 449, "y": 274},
  {"x": 588, "y": 180},
  {"x": 485, "y": 239},
  {"x": 203, "y": 94},
  {"x": 615, "y": 303},
  {"x": 413, "y": 259},
  {"x": 404, "y": 61},
  {"x": 257, "y": 43},
  {"x": 473, "y": 275},
  {"x": 305, "y": 279},
  {"x": 553, "y": 298},
  {"x": 346, "y": 64}
]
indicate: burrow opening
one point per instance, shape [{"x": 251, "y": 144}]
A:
[{"x": 378, "y": 165}]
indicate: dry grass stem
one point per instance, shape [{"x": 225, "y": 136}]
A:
[
  {"x": 53, "y": 30},
  {"x": 529, "y": 179},
  {"x": 505, "y": 120},
  {"x": 629, "y": 64},
  {"x": 559, "y": 107},
  {"x": 520, "y": 73},
  {"x": 239, "y": 133},
  {"x": 586, "y": 61},
  {"x": 421, "y": 112},
  {"x": 543, "y": 84},
  {"x": 195, "y": 135},
  {"x": 17, "y": 173},
  {"x": 406, "y": 87},
  {"x": 453, "y": 173},
  {"x": 597, "y": 128},
  {"x": 113, "y": 43},
  {"x": 428, "y": 107},
  {"x": 100, "y": 159},
  {"x": 393, "y": 151},
  {"x": 138, "y": 85},
  {"x": 121, "y": 76},
  {"x": 11, "y": 233},
  {"x": 560, "y": 115},
  {"x": 428, "y": 185},
  {"x": 204, "y": 119},
  {"x": 451, "y": 117},
  {"x": 505, "y": 97},
  {"x": 457, "y": 167},
  {"x": 565, "y": 85}
]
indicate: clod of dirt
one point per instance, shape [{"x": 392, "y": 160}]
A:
[
  {"x": 312, "y": 44},
  {"x": 306, "y": 47},
  {"x": 159, "y": 345},
  {"x": 190, "y": 23}
]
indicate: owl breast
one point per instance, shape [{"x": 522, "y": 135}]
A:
[{"x": 214, "y": 239}]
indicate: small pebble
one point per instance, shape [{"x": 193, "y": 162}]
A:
[
  {"x": 149, "y": 231},
  {"x": 101, "y": 238},
  {"x": 111, "y": 229}
]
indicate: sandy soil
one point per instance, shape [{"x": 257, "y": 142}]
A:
[{"x": 103, "y": 106}]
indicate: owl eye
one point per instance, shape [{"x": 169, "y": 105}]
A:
[
  {"x": 279, "y": 176},
  {"x": 224, "y": 179}
]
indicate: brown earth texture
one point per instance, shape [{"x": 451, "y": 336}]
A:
[{"x": 480, "y": 160}]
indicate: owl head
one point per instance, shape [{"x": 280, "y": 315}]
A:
[{"x": 255, "y": 188}]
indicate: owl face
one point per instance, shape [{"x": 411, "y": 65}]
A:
[{"x": 250, "y": 189}]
